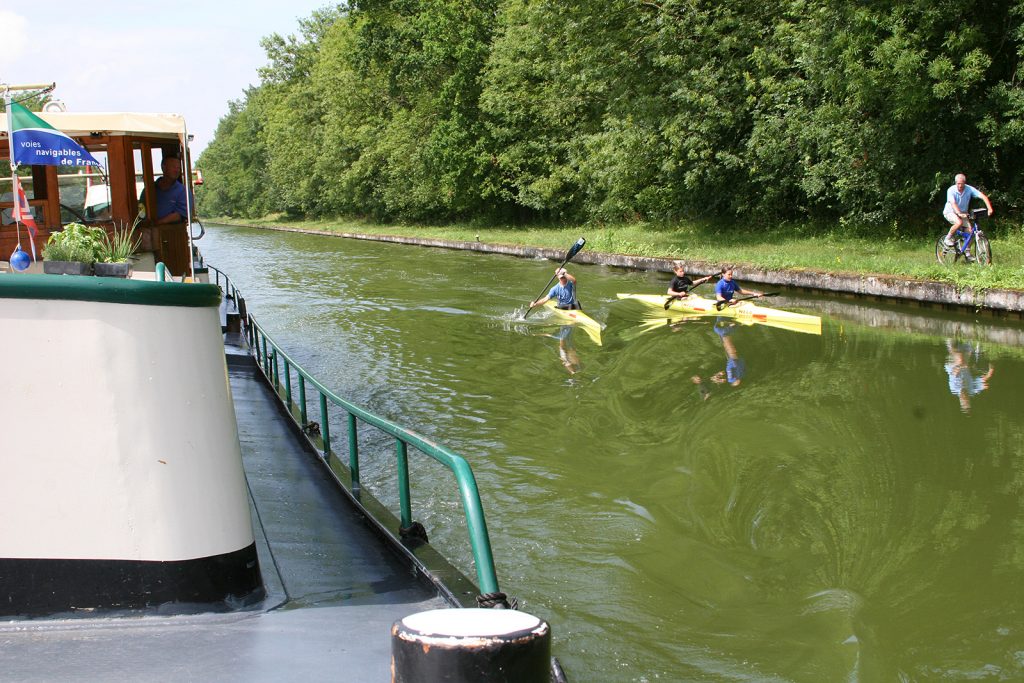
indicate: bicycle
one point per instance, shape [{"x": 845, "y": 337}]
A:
[{"x": 964, "y": 241}]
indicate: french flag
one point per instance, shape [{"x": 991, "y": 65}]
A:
[{"x": 23, "y": 214}]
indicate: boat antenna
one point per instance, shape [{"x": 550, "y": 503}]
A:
[{"x": 189, "y": 195}]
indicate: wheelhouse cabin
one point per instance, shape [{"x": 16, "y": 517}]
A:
[{"x": 131, "y": 146}]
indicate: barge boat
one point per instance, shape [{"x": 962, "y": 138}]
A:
[{"x": 170, "y": 510}]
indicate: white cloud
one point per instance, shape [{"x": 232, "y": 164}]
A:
[{"x": 15, "y": 41}]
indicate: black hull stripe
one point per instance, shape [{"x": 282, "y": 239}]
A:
[{"x": 35, "y": 587}]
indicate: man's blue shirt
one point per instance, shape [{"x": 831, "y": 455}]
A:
[
  {"x": 171, "y": 201},
  {"x": 961, "y": 200},
  {"x": 565, "y": 294}
]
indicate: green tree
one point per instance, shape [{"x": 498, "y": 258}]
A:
[
  {"x": 884, "y": 103},
  {"x": 630, "y": 109},
  {"x": 293, "y": 131},
  {"x": 234, "y": 164},
  {"x": 402, "y": 83}
]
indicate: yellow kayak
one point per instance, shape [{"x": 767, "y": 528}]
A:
[
  {"x": 578, "y": 318},
  {"x": 746, "y": 312}
]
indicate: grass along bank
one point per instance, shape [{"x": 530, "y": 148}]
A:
[{"x": 801, "y": 247}]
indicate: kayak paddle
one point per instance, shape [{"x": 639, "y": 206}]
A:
[
  {"x": 719, "y": 305},
  {"x": 575, "y": 249}
]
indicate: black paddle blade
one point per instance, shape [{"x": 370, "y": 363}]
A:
[
  {"x": 668, "y": 302},
  {"x": 575, "y": 249}
]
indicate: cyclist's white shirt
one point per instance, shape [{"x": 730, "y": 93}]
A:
[{"x": 961, "y": 200}]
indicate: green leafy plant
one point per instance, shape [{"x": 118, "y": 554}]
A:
[
  {"x": 119, "y": 246},
  {"x": 76, "y": 242}
]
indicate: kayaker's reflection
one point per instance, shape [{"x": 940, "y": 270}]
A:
[
  {"x": 735, "y": 367},
  {"x": 965, "y": 381},
  {"x": 567, "y": 349}
]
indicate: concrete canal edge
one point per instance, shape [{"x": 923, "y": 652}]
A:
[{"x": 923, "y": 293}]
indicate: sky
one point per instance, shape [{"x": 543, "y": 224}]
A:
[{"x": 188, "y": 57}]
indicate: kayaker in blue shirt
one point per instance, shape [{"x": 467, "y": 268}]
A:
[
  {"x": 564, "y": 293},
  {"x": 727, "y": 287},
  {"x": 958, "y": 201}
]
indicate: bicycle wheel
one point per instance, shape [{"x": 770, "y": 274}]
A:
[
  {"x": 982, "y": 250},
  {"x": 943, "y": 254}
]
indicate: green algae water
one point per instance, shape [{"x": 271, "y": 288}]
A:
[{"x": 693, "y": 500}]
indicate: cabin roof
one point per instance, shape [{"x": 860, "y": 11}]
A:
[{"x": 80, "y": 124}]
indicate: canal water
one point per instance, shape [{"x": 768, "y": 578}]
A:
[{"x": 849, "y": 509}]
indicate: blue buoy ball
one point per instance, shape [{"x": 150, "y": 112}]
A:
[{"x": 20, "y": 260}]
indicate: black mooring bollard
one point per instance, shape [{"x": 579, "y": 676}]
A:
[{"x": 471, "y": 646}]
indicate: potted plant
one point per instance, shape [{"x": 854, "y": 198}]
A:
[
  {"x": 115, "y": 250},
  {"x": 72, "y": 251}
]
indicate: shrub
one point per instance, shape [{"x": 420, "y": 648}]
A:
[
  {"x": 76, "y": 242},
  {"x": 119, "y": 246}
]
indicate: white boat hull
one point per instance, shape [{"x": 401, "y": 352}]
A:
[{"x": 122, "y": 452}]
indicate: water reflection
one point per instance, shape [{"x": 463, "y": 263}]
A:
[
  {"x": 567, "y": 350},
  {"x": 567, "y": 353},
  {"x": 966, "y": 376},
  {"x": 735, "y": 367},
  {"x": 829, "y": 519}
]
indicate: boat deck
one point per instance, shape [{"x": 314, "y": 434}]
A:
[{"x": 333, "y": 588}]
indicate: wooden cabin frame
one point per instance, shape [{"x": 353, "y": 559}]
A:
[{"x": 124, "y": 138}]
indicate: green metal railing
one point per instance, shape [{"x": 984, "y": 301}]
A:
[
  {"x": 228, "y": 288},
  {"x": 276, "y": 364}
]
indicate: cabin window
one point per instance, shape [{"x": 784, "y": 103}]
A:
[{"x": 83, "y": 192}]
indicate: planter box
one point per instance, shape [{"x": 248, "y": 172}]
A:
[
  {"x": 67, "y": 268},
  {"x": 122, "y": 270}
]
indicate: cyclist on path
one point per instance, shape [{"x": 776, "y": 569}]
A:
[{"x": 958, "y": 201}]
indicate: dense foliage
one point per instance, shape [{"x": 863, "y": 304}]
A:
[{"x": 611, "y": 110}]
